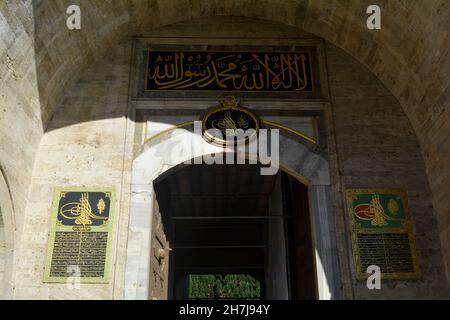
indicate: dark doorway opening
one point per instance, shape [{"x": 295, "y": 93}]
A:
[{"x": 230, "y": 223}]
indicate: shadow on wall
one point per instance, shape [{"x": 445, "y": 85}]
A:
[
  {"x": 63, "y": 55},
  {"x": 70, "y": 60},
  {"x": 63, "y": 58}
]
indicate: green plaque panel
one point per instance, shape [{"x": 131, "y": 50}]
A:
[
  {"x": 81, "y": 235},
  {"x": 382, "y": 233}
]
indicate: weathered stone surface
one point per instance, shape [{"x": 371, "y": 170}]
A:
[
  {"x": 42, "y": 63},
  {"x": 77, "y": 150},
  {"x": 377, "y": 148},
  {"x": 20, "y": 113},
  {"x": 410, "y": 54}
]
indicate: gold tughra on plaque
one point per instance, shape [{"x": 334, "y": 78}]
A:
[
  {"x": 81, "y": 235},
  {"x": 382, "y": 233}
]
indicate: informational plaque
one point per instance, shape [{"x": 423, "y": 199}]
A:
[
  {"x": 80, "y": 240},
  {"x": 230, "y": 71},
  {"x": 382, "y": 233}
]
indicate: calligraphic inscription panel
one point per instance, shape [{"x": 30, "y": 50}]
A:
[
  {"x": 382, "y": 233},
  {"x": 81, "y": 236},
  {"x": 230, "y": 71},
  {"x": 390, "y": 251},
  {"x": 84, "y": 249}
]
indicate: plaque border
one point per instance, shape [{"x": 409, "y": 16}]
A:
[
  {"x": 407, "y": 228},
  {"x": 54, "y": 228}
]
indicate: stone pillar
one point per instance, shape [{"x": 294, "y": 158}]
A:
[{"x": 324, "y": 239}]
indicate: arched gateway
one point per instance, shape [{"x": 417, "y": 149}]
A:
[
  {"x": 190, "y": 217},
  {"x": 114, "y": 146}
]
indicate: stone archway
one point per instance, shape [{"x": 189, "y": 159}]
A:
[
  {"x": 65, "y": 68},
  {"x": 295, "y": 158},
  {"x": 391, "y": 54}
]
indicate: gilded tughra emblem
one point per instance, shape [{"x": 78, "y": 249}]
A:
[
  {"x": 230, "y": 123},
  {"x": 375, "y": 213},
  {"x": 84, "y": 208},
  {"x": 225, "y": 123}
]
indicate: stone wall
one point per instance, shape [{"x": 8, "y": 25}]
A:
[
  {"x": 2, "y": 254},
  {"x": 41, "y": 59},
  {"x": 20, "y": 117},
  {"x": 377, "y": 148},
  {"x": 410, "y": 54},
  {"x": 6, "y": 239},
  {"x": 85, "y": 144}
]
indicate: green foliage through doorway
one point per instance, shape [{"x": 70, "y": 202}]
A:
[{"x": 229, "y": 286}]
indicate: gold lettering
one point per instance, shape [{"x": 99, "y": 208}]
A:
[{"x": 258, "y": 71}]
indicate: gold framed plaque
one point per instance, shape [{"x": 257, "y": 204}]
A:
[
  {"x": 382, "y": 235},
  {"x": 80, "y": 241},
  {"x": 231, "y": 71}
]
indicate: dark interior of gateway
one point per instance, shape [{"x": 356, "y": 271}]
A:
[{"x": 231, "y": 220}]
